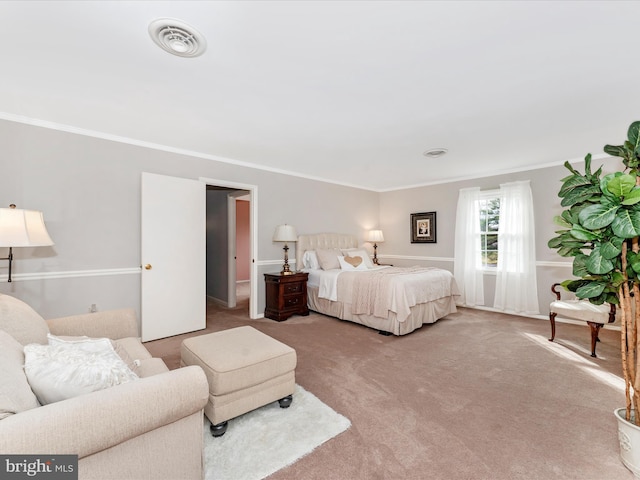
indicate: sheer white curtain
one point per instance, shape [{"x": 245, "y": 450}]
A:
[
  {"x": 467, "y": 267},
  {"x": 516, "y": 286}
]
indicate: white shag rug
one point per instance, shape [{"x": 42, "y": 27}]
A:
[{"x": 265, "y": 440}]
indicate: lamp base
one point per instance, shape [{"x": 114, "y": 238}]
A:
[{"x": 285, "y": 268}]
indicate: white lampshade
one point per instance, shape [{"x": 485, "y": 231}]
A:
[
  {"x": 23, "y": 228},
  {"x": 285, "y": 233},
  {"x": 375, "y": 236}
]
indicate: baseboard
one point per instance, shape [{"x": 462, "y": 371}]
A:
[{"x": 541, "y": 317}]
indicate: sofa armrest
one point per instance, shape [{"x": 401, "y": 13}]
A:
[
  {"x": 94, "y": 422},
  {"x": 112, "y": 324}
]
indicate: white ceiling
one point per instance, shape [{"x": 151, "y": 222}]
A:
[{"x": 349, "y": 92}]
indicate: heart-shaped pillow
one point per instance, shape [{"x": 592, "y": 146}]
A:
[{"x": 354, "y": 261}]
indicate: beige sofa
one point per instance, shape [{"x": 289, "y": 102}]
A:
[{"x": 148, "y": 428}]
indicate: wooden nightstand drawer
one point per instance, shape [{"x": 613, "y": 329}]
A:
[
  {"x": 293, "y": 302},
  {"x": 290, "y": 288},
  {"x": 286, "y": 295}
]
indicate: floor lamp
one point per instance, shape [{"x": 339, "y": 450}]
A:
[{"x": 22, "y": 228}]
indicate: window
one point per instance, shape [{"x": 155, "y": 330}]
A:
[
  {"x": 489, "y": 212},
  {"x": 488, "y": 222}
]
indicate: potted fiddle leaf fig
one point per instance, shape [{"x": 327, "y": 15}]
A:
[{"x": 600, "y": 230}]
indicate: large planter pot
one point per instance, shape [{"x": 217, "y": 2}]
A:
[{"x": 629, "y": 437}]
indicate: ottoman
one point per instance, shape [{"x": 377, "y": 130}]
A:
[{"x": 245, "y": 368}]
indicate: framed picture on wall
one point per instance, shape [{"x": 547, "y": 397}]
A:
[{"x": 423, "y": 227}]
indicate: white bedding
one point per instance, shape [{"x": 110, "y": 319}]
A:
[
  {"x": 384, "y": 289},
  {"x": 395, "y": 303},
  {"x": 327, "y": 280}
]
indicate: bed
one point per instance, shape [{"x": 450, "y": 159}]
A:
[{"x": 344, "y": 283}]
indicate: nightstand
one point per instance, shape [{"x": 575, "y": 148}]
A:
[{"x": 286, "y": 295}]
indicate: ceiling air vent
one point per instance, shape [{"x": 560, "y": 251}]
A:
[
  {"x": 177, "y": 37},
  {"x": 435, "y": 152}
]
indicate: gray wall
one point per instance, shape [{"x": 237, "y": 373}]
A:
[
  {"x": 396, "y": 207},
  {"x": 89, "y": 191},
  {"x": 217, "y": 245}
]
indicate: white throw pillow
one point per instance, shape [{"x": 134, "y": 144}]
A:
[
  {"x": 352, "y": 263},
  {"x": 359, "y": 252},
  {"x": 120, "y": 350},
  {"x": 65, "y": 369},
  {"x": 310, "y": 260}
]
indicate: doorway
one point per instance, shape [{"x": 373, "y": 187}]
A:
[{"x": 230, "y": 246}]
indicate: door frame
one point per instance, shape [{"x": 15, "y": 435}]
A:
[
  {"x": 253, "y": 241},
  {"x": 231, "y": 251}
]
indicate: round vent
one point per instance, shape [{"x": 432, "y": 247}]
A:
[{"x": 177, "y": 37}]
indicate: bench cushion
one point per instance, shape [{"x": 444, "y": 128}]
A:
[
  {"x": 581, "y": 310},
  {"x": 238, "y": 358}
]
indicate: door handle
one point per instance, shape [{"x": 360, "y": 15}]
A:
[{"x": 148, "y": 266}]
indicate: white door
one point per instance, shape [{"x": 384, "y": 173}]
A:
[{"x": 173, "y": 252}]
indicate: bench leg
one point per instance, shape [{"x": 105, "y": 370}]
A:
[
  {"x": 595, "y": 331},
  {"x": 552, "y": 320}
]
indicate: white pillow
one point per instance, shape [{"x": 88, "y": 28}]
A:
[
  {"x": 65, "y": 369},
  {"x": 360, "y": 252},
  {"x": 352, "y": 263},
  {"x": 310, "y": 260}
]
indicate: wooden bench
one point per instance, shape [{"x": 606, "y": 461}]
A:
[{"x": 595, "y": 315}]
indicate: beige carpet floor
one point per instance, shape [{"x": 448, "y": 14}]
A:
[{"x": 477, "y": 395}]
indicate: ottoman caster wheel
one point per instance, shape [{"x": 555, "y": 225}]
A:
[
  {"x": 219, "y": 429},
  {"x": 286, "y": 401}
]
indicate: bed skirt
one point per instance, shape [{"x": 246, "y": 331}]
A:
[{"x": 420, "y": 314}]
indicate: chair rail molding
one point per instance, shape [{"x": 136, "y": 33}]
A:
[{"x": 25, "y": 277}]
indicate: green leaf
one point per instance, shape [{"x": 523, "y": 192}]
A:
[
  {"x": 632, "y": 197},
  {"x": 597, "y": 216},
  {"x": 555, "y": 242},
  {"x": 574, "y": 182},
  {"x": 593, "y": 289},
  {"x": 582, "y": 233},
  {"x": 612, "y": 298},
  {"x": 573, "y": 285},
  {"x": 597, "y": 264},
  {"x": 570, "y": 168},
  {"x": 580, "y": 265},
  {"x": 621, "y": 185},
  {"x": 568, "y": 251},
  {"x": 617, "y": 279},
  {"x": 597, "y": 174},
  {"x": 561, "y": 222},
  {"x": 612, "y": 248},
  {"x": 615, "y": 150},
  {"x": 580, "y": 194},
  {"x": 569, "y": 217},
  {"x": 626, "y": 224},
  {"x": 633, "y": 134}
]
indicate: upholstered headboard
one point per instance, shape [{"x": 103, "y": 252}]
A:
[{"x": 322, "y": 240}]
